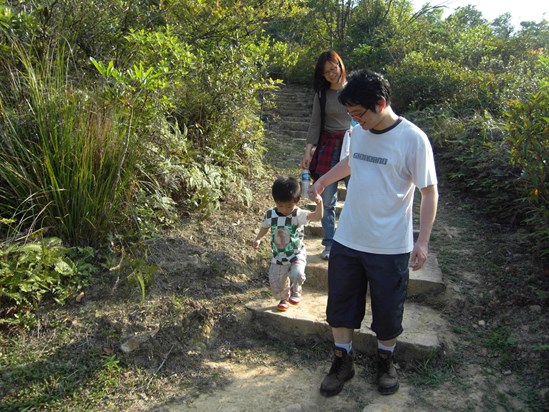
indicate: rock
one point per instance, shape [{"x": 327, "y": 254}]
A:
[
  {"x": 535, "y": 308},
  {"x": 135, "y": 342}
]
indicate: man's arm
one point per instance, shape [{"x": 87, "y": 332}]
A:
[
  {"x": 427, "y": 213},
  {"x": 335, "y": 174}
]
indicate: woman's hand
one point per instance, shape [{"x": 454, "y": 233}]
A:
[
  {"x": 307, "y": 156},
  {"x": 306, "y": 161}
]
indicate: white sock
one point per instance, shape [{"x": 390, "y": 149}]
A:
[
  {"x": 386, "y": 348},
  {"x": 347, "y": 346}
]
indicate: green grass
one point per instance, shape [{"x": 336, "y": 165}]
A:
[
  {"x": 65, "y": 156},
  {"x": 434, "y": 371},
  {"x": 502, "y": 343},
  {"x": 63, "y": 376}
]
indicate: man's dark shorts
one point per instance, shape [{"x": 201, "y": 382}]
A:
[{"x": 349, "y": 273}]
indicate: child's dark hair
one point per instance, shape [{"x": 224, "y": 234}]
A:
[{"x": 286, "y": 189}]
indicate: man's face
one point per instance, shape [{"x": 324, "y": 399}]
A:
[{"x": 367, "y": 118}]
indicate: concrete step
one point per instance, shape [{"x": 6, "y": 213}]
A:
[
  {"x": 341, "y": 192},
  {"x": 294, "y": 134},
  {"x": 295, "y": 100},
  {"x": 311, "y": 206},
  {"x": 297, "y": 118},
  {"x": 292, "y": 91},
  {"x": 313, "y": 229},
  {"x": 426, "y": 283},
  {"x": 425, "y": 331},
  {"x": 301, "y": 112},
  {"x": 293, "y": 105},
  {"x": 298, "y": 125}
]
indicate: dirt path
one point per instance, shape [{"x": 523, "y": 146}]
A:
[
  {"x": 276, "y": 376},
  {"x": 478, "y": 375}
]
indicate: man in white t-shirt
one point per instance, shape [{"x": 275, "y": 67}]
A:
[{"x": 374, "y": 246}]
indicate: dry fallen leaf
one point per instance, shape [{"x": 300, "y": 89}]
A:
[{"x": 107, "y": 351}]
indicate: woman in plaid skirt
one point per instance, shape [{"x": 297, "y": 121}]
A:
[{"x": 327, "y": 127}]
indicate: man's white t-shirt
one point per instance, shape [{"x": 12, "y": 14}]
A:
[{"x": 386, "y": 167}]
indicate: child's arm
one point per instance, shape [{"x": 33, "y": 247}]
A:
[
  {"x": 262, "y": 232},
  {"x": 319, "y": 210}
]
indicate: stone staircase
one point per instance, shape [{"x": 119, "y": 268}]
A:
[{"x": 425, "y": 331}]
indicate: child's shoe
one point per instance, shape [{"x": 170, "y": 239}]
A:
[
  {"x": 295, "y": 296},
  {"x": 282, "y": 305}
]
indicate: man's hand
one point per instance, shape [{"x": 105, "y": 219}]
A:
[
  {"x": 315, "y": 191},
  {"x": 419, "y": 256}
]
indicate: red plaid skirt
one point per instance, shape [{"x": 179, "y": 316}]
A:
[{"x": 330, "y": 141}]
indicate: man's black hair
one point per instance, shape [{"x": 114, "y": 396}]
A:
[
  {"x": 365, "y": 88},
  {"x": 286, "y": 189}
]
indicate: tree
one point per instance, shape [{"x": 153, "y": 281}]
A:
[{"x": 502, "y": 26}]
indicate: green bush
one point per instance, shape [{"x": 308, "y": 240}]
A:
[
  {"x": 501, "y": 163},
  {"x": 528, "y": 142},
  {"x": 197, "y": 115},
  {"x": 36, "y": 271},
  {"x": 434, "y": 82},
  {"x": 473, "y": 156},
  {"x": 421, "y": 82}
]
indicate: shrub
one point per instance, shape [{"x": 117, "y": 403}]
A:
[
  {"x": 32, "y": 272},
  {"x": 528, "y": 142},
  {"x": 475, "y": 159}
]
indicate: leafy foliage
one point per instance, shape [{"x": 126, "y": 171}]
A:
[
  {"x": 474, "y": 157},
  {"x": 202, "y": 88},
  {"x": 32, "y": 271},
  {"x": 205, "y": 91},
  {"x": 528, "y": 142},
  {"x": 156, "y": 110}
]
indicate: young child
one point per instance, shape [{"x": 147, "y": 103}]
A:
[{"x": 286, "y": 222}]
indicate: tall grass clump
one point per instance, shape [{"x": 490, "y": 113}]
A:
[{"x": 64, "y": 155}]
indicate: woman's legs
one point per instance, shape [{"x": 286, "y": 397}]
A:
[{"x": 329, "y": 197}]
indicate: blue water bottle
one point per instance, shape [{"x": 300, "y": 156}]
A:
[{"x": 305, "y": 183}]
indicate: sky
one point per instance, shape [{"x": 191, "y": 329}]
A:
[{"x": 520, "y": 10}]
